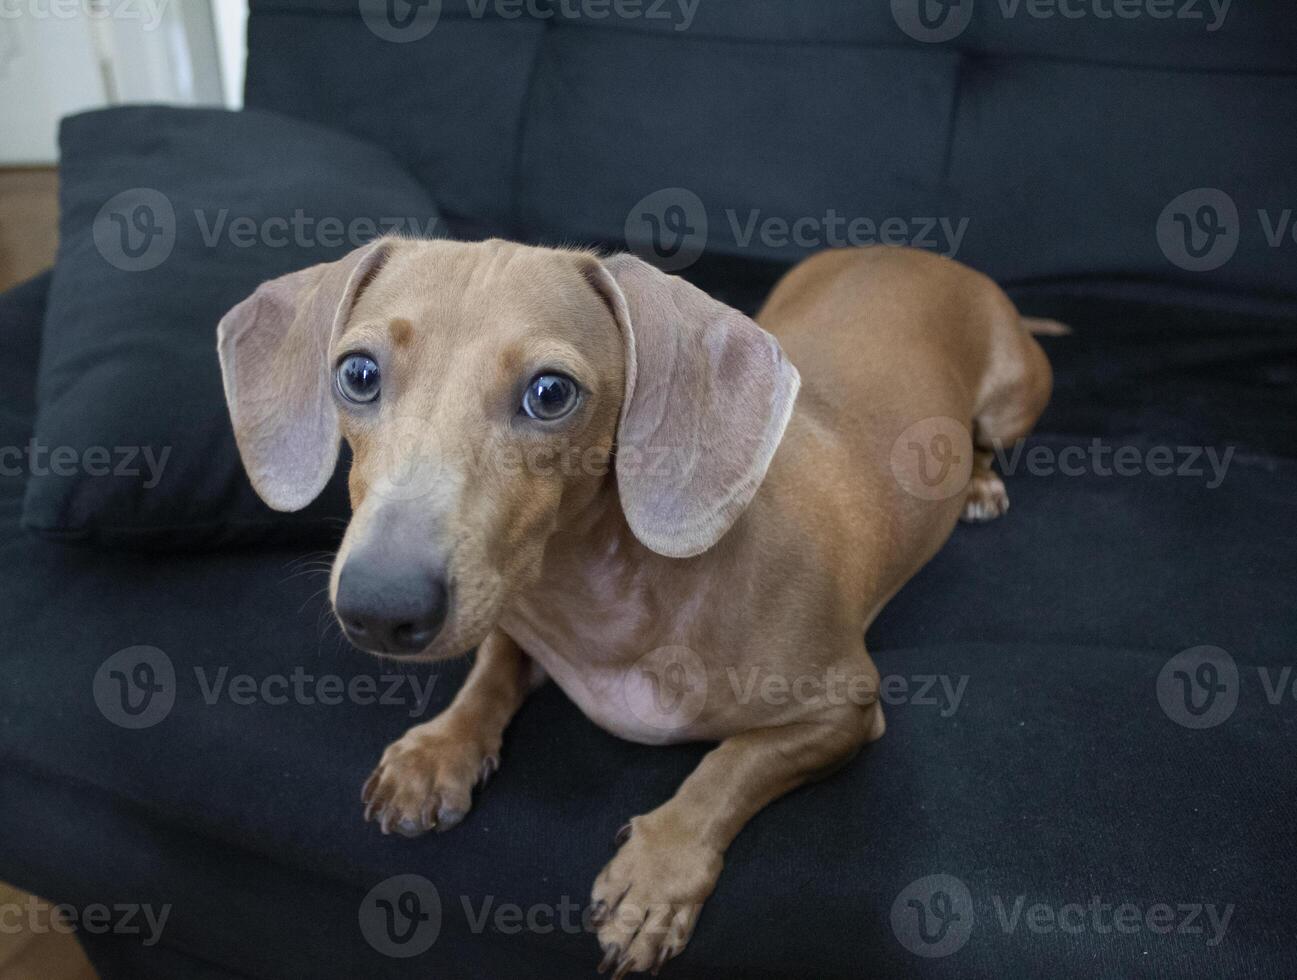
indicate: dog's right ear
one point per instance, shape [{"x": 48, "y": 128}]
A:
[{"x": 274, "y": 350}]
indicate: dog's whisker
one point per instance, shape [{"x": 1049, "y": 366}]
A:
[
  {"x": 311, "y": 557},
  {"x": 314, "y": 596},
  {"x": 305, "y": 571}
]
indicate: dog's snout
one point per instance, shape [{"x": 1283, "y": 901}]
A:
[{"x": 388, "y": 612}]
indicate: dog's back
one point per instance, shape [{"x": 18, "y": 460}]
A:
[
  {"x": 934, "y": 334},
  {"x": 916, "y": 368}
]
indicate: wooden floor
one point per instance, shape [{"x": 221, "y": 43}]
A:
[
  {"x": 29, "y": 212},
  {"x": 29, "y": 950}
]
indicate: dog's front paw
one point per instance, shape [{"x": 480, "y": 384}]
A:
[
  {"x": 425, "y": 780},
  {"x": 647, "y": 899}
]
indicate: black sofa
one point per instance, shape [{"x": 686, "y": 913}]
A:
[{"x": 1065, "y": 806}]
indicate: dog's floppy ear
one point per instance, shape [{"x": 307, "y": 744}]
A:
[
  {"x": 274, "y": 349},
  {"x": 708, "y": 396}
]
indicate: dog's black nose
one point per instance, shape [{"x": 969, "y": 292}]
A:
[{"x": 383, "y": 612}]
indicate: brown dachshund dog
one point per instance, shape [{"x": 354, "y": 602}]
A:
[{"x": 591, "y": 471}]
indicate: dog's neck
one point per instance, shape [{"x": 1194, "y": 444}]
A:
[
  {"x": 602, "y": 594},
  {"x": 594, "y": 534}
]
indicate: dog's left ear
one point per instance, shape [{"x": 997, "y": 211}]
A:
[
  {"x": 708, "y": 396},
  {"x": 274, "y": 351}
]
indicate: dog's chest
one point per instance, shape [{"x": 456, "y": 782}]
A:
[{"x": 629, "y": 682}]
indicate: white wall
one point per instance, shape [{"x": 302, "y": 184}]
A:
[
  {"x": 62, "y": 56},
  {"x": 231, "y": 18},
  {"x": 48, "y": 68}
]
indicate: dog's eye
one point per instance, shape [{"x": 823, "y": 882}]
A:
[
  {"x": 549, "y": 397},
  {"x": 358, "y": 378}
]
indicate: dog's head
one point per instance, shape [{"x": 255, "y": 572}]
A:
[{"x": 489, "y": 393}]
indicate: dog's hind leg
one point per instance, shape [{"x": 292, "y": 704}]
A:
[
  {"x": 987, "y": 497},
  {"x": 1017, "y": 391}
]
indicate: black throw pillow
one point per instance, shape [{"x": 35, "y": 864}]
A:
[{"x": 169, "y": 217}]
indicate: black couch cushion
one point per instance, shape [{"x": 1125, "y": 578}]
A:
[
  {"x": 168, "y": 218},
  {"x": 1058, "y": 775},
  {"x": 1062, "y": 147}
]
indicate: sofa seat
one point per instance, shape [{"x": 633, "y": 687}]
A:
[{"x": 1027, "y": 756}]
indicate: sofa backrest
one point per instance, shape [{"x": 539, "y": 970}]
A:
[{"x": 1038, "y": 140}]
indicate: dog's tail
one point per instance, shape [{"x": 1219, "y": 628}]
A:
[{"x": 1045, "y": 328}]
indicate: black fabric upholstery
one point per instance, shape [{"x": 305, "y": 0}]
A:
[
  {"x": 130, "y": 368},
  {"x": 1061, "y": 141},
  {"x": 1058, "y": 778}
]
